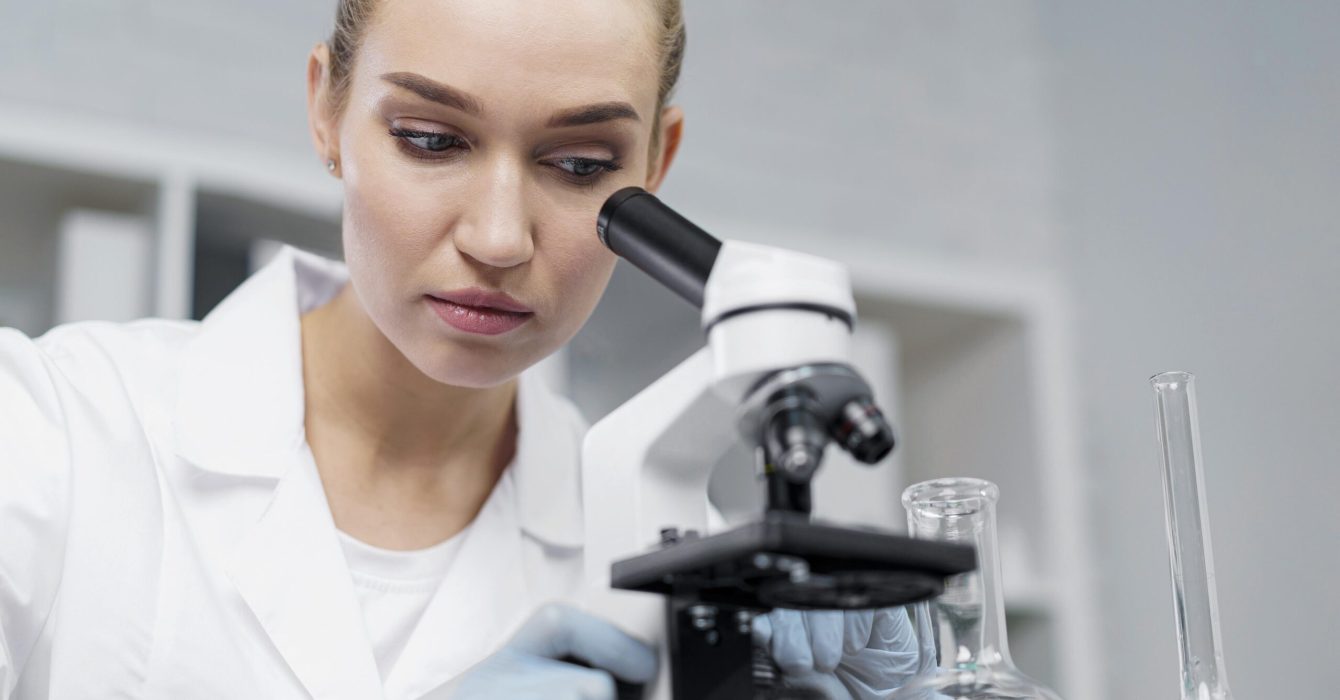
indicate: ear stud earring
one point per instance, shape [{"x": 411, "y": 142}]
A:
[{"x": 330, "y": 165}]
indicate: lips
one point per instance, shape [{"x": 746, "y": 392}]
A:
[
  {"x": 483, "y": 299},
  {"x": 479, "y": 311}
]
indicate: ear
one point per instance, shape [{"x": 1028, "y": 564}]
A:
[
  {"x": 320, "y": 119},
  {"x": 672, "y": 131}
]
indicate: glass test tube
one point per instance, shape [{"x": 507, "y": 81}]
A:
[{"x": 1195, "y": 603}]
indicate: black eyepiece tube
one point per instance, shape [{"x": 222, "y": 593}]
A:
[{"x": 641, "y": 229}]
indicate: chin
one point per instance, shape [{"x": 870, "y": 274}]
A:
[{"x": 467, "y": 367}]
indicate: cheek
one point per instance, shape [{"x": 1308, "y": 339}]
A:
[
  {"x": 580, "y": 267},
  {"x": 396, "y": 207},
  {"x": 391, "y": 227},
  {"x": 388, "y": 216}
]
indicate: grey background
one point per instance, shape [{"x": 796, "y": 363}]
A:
[{"x": 1178, "y": 163}]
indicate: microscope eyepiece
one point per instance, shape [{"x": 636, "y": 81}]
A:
[{"x": 653, "y": 237}]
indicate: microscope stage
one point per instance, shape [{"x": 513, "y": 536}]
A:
[{"x": 785, "y": 560}]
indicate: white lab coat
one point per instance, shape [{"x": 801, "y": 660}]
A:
[{"x": 164, "y": 532}]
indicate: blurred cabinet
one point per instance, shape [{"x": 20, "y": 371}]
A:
[
  {"x": 43, "y": 204},
  {"x": 234, "y": 235},
  {"x": 104, "y": 269},
  {"x": 73, "y": 194},
  {"x": 972, "y": 363}
]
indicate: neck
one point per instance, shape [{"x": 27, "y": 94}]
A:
[{"x": 387, "y": 437}]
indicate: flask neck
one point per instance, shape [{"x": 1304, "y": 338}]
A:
[{"x": 970, "y": 614}]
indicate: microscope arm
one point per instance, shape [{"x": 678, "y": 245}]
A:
[{"x": 646, "y": 465}]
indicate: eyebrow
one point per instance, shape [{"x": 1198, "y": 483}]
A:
[
  {"x": 434, "y": 91},
  {"x": 594, "y": 114}
]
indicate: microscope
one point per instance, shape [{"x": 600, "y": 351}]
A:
[{"x": 775, "y": 374}]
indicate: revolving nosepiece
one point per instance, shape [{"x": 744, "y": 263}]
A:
[{"x": 794, "y": 437}]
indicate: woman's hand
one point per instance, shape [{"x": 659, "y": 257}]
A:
[
  {"x": 531, "y": 665},
  {"x": 852, "y": 655}
]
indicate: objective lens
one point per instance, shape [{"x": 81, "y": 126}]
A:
[
  {"x": 794, "y": 438},
  {"x": 862, "y": 430}
]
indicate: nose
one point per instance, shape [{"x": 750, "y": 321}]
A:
[{"x": 496, "y": 229}]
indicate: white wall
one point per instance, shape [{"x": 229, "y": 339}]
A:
[
  {"x": 901, "y": 126},
  {"x": 1199, "y": 152},
  {"x": 231, "y": 70}
]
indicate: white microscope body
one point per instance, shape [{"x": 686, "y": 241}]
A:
[{"x": 646, "y": 466}]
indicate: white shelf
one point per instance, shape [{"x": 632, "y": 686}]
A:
[{"x": 144, "y": 155}]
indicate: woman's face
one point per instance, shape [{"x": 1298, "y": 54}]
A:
[{"x": 478, "y": 142}]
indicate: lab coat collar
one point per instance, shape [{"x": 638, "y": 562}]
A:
[
  {"x": 239, "y": 408},
  {"x": 241, "y": 403},
  {"x": 547, "y": 466}
]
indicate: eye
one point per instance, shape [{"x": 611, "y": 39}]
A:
[
  {"x": 426, "y": 142},
  {"x": 585, "y": 169}
]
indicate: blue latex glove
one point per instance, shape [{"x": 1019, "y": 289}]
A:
[
  {"x": 528, "y": 666},
  {"x": 852, "y": 655}
]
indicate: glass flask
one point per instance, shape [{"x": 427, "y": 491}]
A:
[
  {"x": 1195, "y": 604},
  {"x": 965, "y": 625}
]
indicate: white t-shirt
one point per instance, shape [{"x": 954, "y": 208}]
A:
[{"x": 394, "y": 587}]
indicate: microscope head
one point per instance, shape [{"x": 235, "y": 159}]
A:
[{"x": 779, "y": 325}]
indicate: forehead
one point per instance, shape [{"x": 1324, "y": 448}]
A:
[{"x": 537, "y": 53}]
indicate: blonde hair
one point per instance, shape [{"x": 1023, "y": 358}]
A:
[{"x": 353, "y": 16}]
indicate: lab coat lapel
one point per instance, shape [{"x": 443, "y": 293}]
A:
[
  {"x": 547, "y": 470},
  {"x": 239, "y": 415},
  {"x": 291, "y": 572},
  {"x": 503, "y": 569},
  {"x": 481, "y": 599}
]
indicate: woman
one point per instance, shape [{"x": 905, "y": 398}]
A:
[{"x": 342, "y": 483}]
